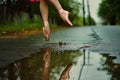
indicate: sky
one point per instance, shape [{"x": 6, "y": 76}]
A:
[{"x": 94, "y": 5}]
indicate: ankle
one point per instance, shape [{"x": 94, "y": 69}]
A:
[
  {"x": 62, "y": 11},
  {"x": 46, "y": 23}
]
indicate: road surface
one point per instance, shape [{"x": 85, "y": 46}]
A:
[{"x": 99, "y": 39}]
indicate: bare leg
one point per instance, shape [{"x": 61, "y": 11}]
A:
[
  {"x": 44, "y": 13},
  {"x": 63, "y": 13},
  {"x": 46, "y": 58}
]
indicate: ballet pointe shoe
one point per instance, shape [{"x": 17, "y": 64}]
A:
[
  {"x": 46, "y": 32},
  {"x": 65, "y": 73},
  {"x": 65, "y": 16}
]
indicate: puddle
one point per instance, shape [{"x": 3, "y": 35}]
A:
[
  {"x": 31, "y": 58},
  {"x": 111, "y": 49},
  {"x": 53, "y": 64}
]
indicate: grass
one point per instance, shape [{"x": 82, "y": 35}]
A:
[
  {"x": 21, "y": 25},
  {"x": 24, "y": 27}
]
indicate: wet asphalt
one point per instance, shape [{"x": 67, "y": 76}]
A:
[{"x": 102, "y": 39}]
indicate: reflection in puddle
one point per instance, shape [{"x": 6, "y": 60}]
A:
[
  {"x": 65, "y": 74},
  {"x": 47, "y": 64},
  {"x": 110, "y": 67},
  {"x": 46, "y": 58},
  {"x": 45, "y": 73},
  {"x": 50, "y": 64}
]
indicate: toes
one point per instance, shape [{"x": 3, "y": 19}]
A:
[{"x": 69, "y": 22}]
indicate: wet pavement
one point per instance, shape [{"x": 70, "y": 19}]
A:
[{"x": 83, "y": 53}]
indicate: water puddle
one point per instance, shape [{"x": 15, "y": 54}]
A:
[{"x": 62, "y": 63}]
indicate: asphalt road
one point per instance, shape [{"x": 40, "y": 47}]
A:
[{"x": 102, "y": 39}]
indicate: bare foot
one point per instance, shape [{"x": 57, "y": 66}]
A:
[{"x": 65, "y": 16}]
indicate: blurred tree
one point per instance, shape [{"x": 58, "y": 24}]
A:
[
  {"x": 109, "y": 11},
  {"x": 10, "y": 9},
  {"x": 92, "y": 21},
  {"x": 2, "y": 11}
]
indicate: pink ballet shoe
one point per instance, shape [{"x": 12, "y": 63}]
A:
[
  {"x": 46, "y": 32},
  {"x": 65, "y": 16}
]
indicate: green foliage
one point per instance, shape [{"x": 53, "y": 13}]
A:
[
  {"x": 109, "y": 11},
  {"x": 78, "y": 21},
  {"x": 91, "y": 19},
  {"x": 12, "y": 12},
  {"x": 22, "y": 24}
]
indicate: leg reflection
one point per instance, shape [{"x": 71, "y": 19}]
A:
[
  {"x": 45, "y": 73},
  {"x": 65, "y": 74},
  {"x": 46, "y": 58}
]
